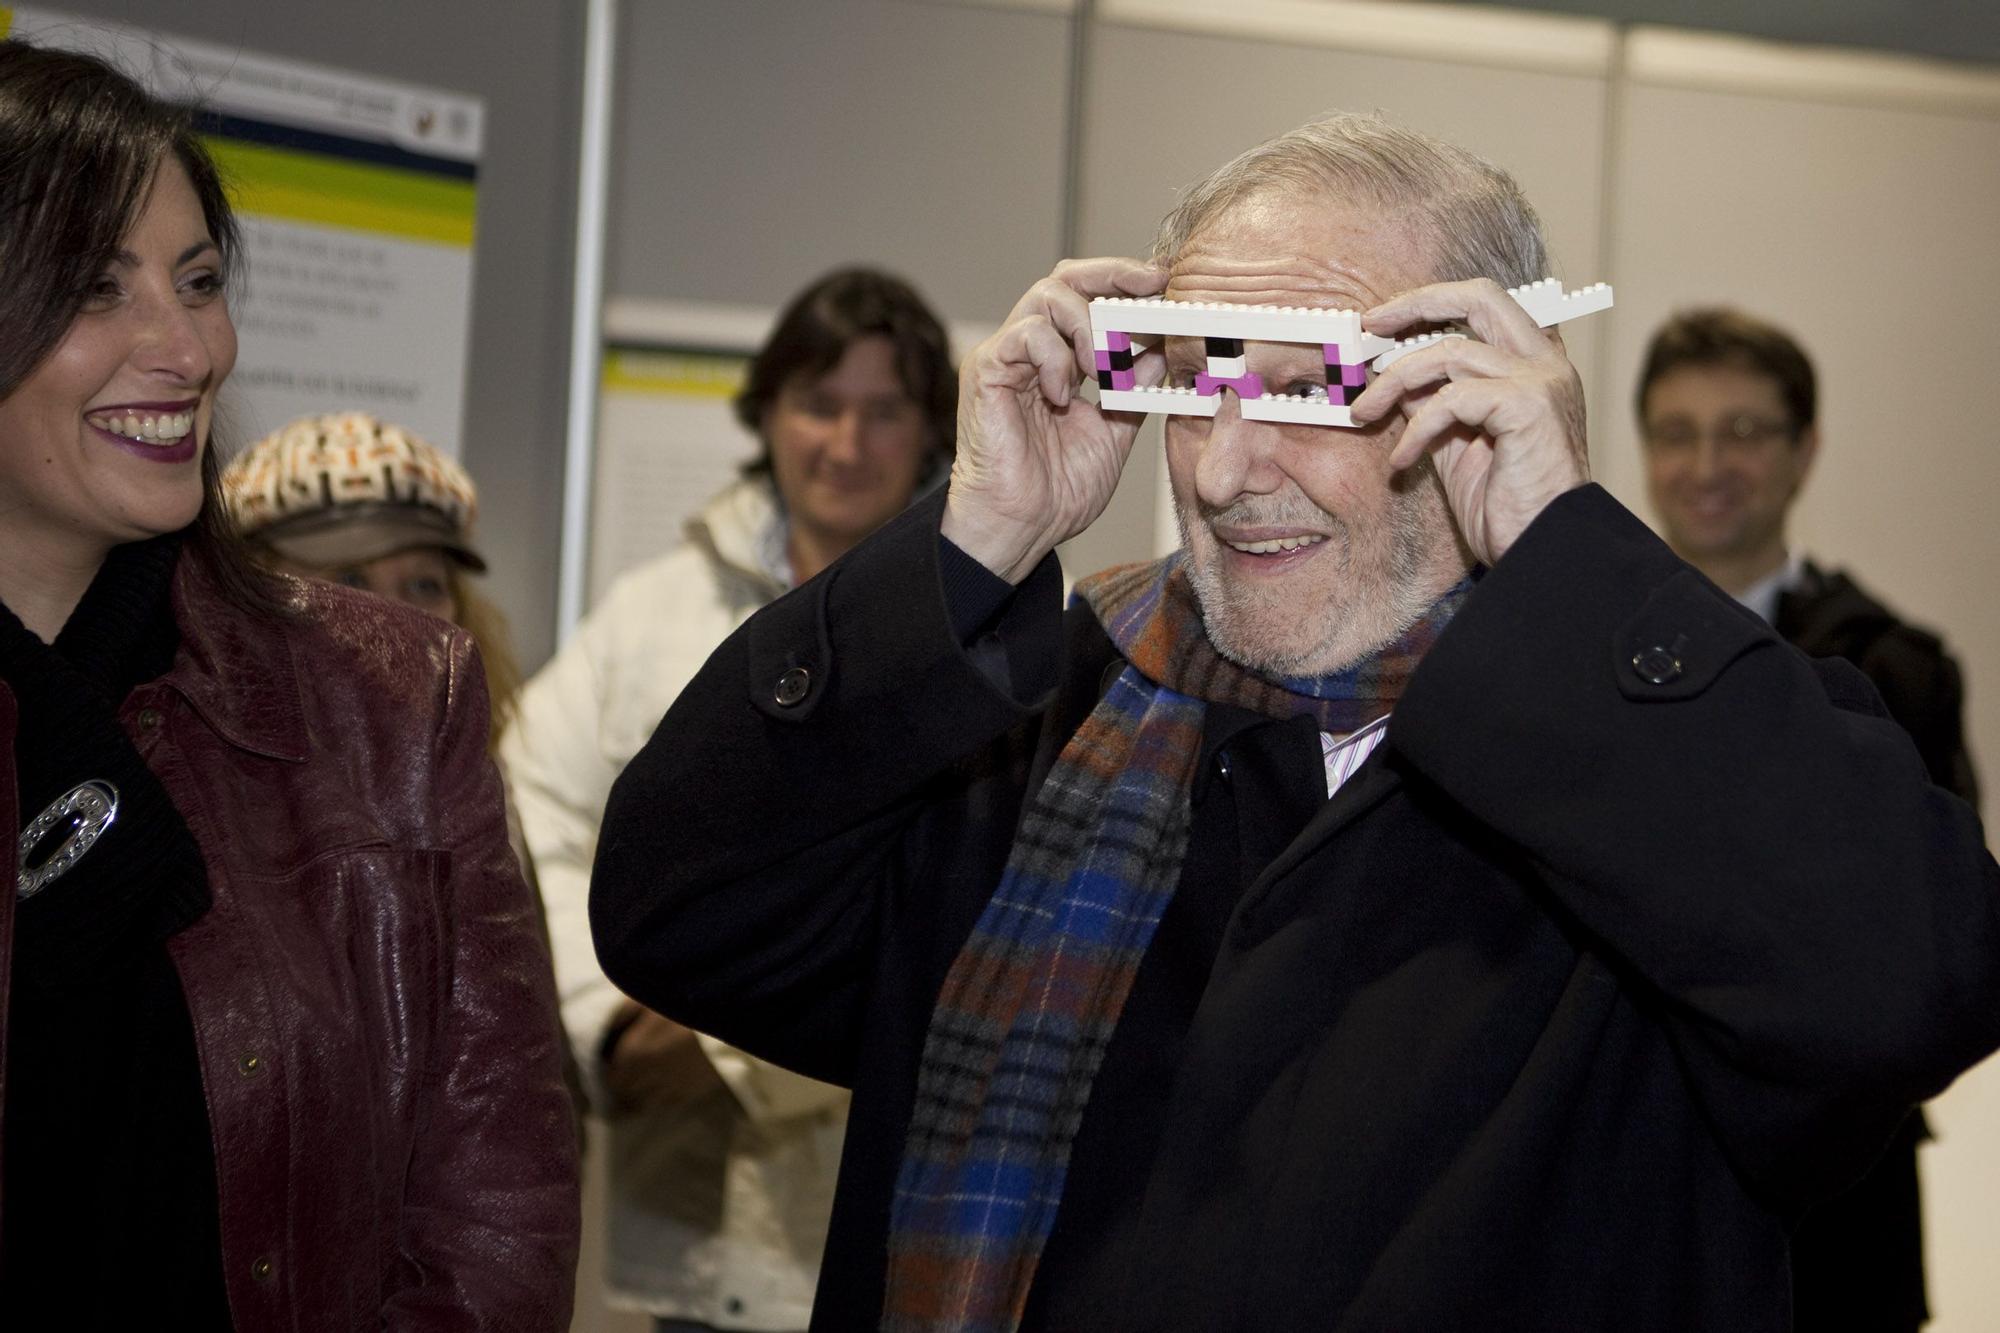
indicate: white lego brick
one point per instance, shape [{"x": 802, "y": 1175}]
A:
[
  {"x": 1171, "y": 402},
  {"x": 1370, "y": 345},
  {"x": 1547, "y": 303},
  {"x": 1228, "y": 367},
  {"x": 1214, "y": 319},
  {"x": 1296, "y": 409},
  {"x": 1416, "y": 344}
]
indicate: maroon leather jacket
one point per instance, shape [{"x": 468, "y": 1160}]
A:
[{"x": 372, "y": 1007}]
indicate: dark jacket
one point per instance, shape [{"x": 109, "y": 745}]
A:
[
  {"x": 1829, "y": 615},
  {"x": 1493, "y": 1042},
  {"x": 372, "y": 1010},
  {"x": 1858, "y": 1261}
]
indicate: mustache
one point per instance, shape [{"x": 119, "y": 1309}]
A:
[{"x": 1268, "y": 510}]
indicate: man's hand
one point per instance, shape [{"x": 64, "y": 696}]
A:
[
  {"x": 655, "y": 1063},
  {"x": 1501, "y": 417},
  {"x": 1036, "y": 465}
]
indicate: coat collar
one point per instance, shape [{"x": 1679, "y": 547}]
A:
[
  {"x": 743, "y": 529},
  {"x": 1372, "y": 783},
  {"x": 237, "y": 668}
]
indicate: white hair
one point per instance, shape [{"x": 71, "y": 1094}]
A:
[{"x": 1477, "y": 220}]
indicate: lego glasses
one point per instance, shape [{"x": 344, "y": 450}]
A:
[{"x": 1347, "y": 352}]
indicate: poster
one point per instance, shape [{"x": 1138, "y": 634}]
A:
[
  {"x": 357, "y": 197},
  {"x": 667, "y": 440}
]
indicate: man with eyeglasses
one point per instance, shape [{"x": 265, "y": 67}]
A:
[{"x": 1727, "y": 415}]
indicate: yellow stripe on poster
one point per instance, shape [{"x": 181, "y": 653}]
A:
[
  {"x": 357, "y": 196},
  {"x": 673, "y": 374}
]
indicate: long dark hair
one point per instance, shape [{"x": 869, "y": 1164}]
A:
[
  {"x": 79, "y": 144},
  {"x": 817, "y": 328}
]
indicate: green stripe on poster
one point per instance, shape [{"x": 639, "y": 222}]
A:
[{"x": 325, "y": 191}]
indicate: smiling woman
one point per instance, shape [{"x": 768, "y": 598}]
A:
[
  {"x": 280, "y": 1044},
  {"x": 119, "y": 409}
]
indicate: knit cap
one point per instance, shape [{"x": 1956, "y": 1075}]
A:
[{"x": 348, "y": 488}]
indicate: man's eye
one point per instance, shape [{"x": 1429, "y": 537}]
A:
[
  {"x": 351, "y": 578},
  {"x": 425, "y": 589}
]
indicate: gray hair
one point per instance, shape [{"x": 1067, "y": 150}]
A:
[{"x": 1479, "y": 223}]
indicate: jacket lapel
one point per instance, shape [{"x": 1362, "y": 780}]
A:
[{"x": 1372, "y": 783}]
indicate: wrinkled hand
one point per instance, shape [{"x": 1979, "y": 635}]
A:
[
  {"x": 656, "y": 1064},
  {"x": 1037, "y": 464},
  {"x": 1501, "y": 417}
]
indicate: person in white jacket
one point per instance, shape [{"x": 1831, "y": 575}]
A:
[{"x": 721, "y": 1166}]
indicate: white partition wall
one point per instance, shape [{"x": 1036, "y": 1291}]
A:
[{"x": 761, "y": 142}]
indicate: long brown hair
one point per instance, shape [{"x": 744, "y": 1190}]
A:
[
  {"x": 487, "y": 625},
  {"x": 79, "y": 146}
]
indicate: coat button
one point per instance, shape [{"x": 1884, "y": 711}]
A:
[
  {"x": 149, "y": 719},
  {"x": 793, "y": 686},
  {"x": 249, "y": 1063},
  {"x": 262, "y": 1267},
  {"x": 1656, "y": 665}
]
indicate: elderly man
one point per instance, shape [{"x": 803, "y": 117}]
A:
[{"x": 1178, "y": 989}]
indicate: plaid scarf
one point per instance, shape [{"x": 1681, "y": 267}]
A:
[{"x": 1030, "y": 1003}]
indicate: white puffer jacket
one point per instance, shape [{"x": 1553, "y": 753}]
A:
[{"x": 718, "y": 1210}]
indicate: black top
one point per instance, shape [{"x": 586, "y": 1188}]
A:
[
  {"x": 1830, "y": 615},
  {"x": 108, "y": 1163}
]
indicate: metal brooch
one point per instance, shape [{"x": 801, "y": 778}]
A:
[{"x": 93, "y": 806}]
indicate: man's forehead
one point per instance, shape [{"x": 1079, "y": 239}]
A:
[{"x": 1289, "y": 249}]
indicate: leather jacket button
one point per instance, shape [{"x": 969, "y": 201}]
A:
[
  {"x": 149, "y": 719},
  {"x": 249, "y": 1064},
  {"x": 1656, "y": 665},
  {"x": 261, "y": 1268},
  {"x": 793, "y": 687}
]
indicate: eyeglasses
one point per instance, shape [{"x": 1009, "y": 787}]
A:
[{"x": 1737, "y": 436}]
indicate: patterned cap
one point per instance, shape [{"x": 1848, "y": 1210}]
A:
[{"x": 348, "y": 488}]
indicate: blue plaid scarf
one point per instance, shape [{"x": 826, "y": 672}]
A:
[{"x": 1030, "y": 1003}]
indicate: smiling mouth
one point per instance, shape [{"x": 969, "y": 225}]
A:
[
  {"x": 156, "y": 428},
  {"x": 1275, "y": 546}
]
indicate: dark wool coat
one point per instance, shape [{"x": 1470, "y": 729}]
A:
[{"x": 1640, "y": 932}]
